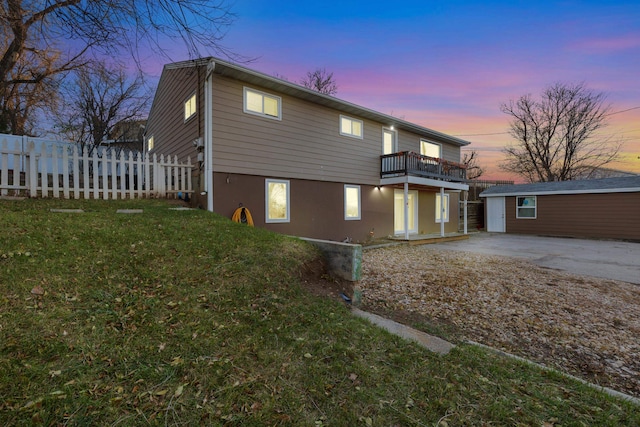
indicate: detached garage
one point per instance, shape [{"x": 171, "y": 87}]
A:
[{"x": 606, "y": 208}]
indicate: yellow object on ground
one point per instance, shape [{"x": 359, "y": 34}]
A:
[{"x": 242, "y": 215}]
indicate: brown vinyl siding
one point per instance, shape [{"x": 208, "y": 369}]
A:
[
  {"x": 599, "y": 215},
  {"x": 317, "y": 208},
  {"x": 427, "y": 213},
  {"x": 305, "y": 144}
]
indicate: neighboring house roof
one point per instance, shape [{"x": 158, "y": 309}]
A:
[
  {"x": 247, "y": 75},
  {"x": 625, "y": 184}
]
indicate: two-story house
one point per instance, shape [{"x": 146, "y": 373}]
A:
[{"x": 303, "y": 163}]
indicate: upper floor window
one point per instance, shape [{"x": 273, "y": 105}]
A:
[
  {"x": 350, "y": 127},
  {"x": 262, "y": 104},
  {"x": 190, "y": 107},
  {"x": 150, "y": 143},
  {"x": 526, "y": 207},
  {"x": 389, "y": 141},
  {"x": 430, "y": 149}
]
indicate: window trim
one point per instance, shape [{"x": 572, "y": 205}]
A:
[
  {"x": 394, "y": 143},
  {"x": 245, "y": 108},
  {"x": 287, "y": 218},
  {"x": 150, "y": 143},
  {"x": 359, "y": 216},
  {"x": 195, "y": 107},
  {"x": 422, "y": 140},
  {"x": 351, "y": 135},
  {"x": 534, "y": 207},
  {"x": 447, "y": 210}
]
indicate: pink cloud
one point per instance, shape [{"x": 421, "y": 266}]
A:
[{"x": 609, "y": 45}]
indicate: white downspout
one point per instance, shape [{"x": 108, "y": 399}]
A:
[
  {"x": 406, "y": 211},
  {"x": 442, "y": 211},
  {"x": 466, "y": 194},
  {"x": 208, "y": 135}
]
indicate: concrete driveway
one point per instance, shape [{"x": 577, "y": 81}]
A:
[{"x": 597, "y": 258}]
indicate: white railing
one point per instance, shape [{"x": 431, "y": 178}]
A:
[{"x": 36, "y": 167}]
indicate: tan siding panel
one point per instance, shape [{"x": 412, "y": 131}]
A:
[
  {"x": 305, "y": 144},
  {"x": 171, "y": 134}
]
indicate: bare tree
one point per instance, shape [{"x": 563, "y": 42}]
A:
[
  {"x": 556, "y": 135},
  {"x": 97, "y": 99},
  {"x": 470, "y": 160},
  {"x": 41, "y": 39},
  {"x": 321, "y": 81}
]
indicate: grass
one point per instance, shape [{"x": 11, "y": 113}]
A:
[{"x": 185, "y": 318}]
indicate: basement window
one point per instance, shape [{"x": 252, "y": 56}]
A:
[
  {"x": 351, "y": 202},
  {"x": 277, "y": 200}
]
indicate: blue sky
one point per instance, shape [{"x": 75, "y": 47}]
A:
[{"x": 449, "y": 65}]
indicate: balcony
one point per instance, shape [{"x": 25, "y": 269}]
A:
[{"x": 414, "y": 164}]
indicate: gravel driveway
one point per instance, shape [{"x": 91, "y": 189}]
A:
[{"x": 586, "y": 326}]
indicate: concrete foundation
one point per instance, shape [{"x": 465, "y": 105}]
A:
[{"x": 343, "y": 259}]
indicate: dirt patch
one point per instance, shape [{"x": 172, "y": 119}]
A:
[{"x": 319, "y": 282}]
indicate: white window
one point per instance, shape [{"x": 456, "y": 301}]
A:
[
  {"x": 350, "y": 127},
  {"x": 277, "y": 200},
  {"x": 430, "y": 149},
  {"x": 190, "y": 107},
  {"x": 526, "y": 207},
  {"x": 262, "y": 104},
  {"x": 389, "y": 141},
  {"x": 351, "y": 202},
  {"x": 150, "y": 143},
  {"x": 442, "y": 209}
]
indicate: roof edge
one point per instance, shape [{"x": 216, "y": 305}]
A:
[
  {"x": 223, "y": 67},
  {"x": 562, "y": 192}
]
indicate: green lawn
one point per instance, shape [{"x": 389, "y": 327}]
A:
[{"x": 185, "y": 318}]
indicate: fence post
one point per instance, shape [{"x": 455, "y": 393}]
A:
[
  {"x": 44, "y": 173},
  {"x": 131, "y": 176},
  {"x": 4, "y": 172},
  {"x": 32, "y": 172},
  {"x": 55, "y": 172},
  {"x": 114, "y": 175},
  {"x": 104, "y": 161},
  {"x": 76, "y": 173},
  {"x": 143, "y": 178},
  {"x": 147, "y": 175},
  {"x": 86, "y": 184},
  {"x": 96, "y": 174},
  {"x": 189, "y": 187},
  {"x": 65, "y": 172},
  {"x": 123, "y": 178}
]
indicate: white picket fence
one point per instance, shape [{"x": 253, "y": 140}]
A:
[{"x": 36, "y": 167}]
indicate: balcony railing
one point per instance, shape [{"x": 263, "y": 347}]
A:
[{"x": 410, "y": 163}]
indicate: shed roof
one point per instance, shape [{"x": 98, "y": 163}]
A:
[
  {"x": 238, "y": 72},
  {"x": 624, "y": 184}
]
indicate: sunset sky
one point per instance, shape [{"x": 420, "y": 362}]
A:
[{"x": 449, "y": 65}]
